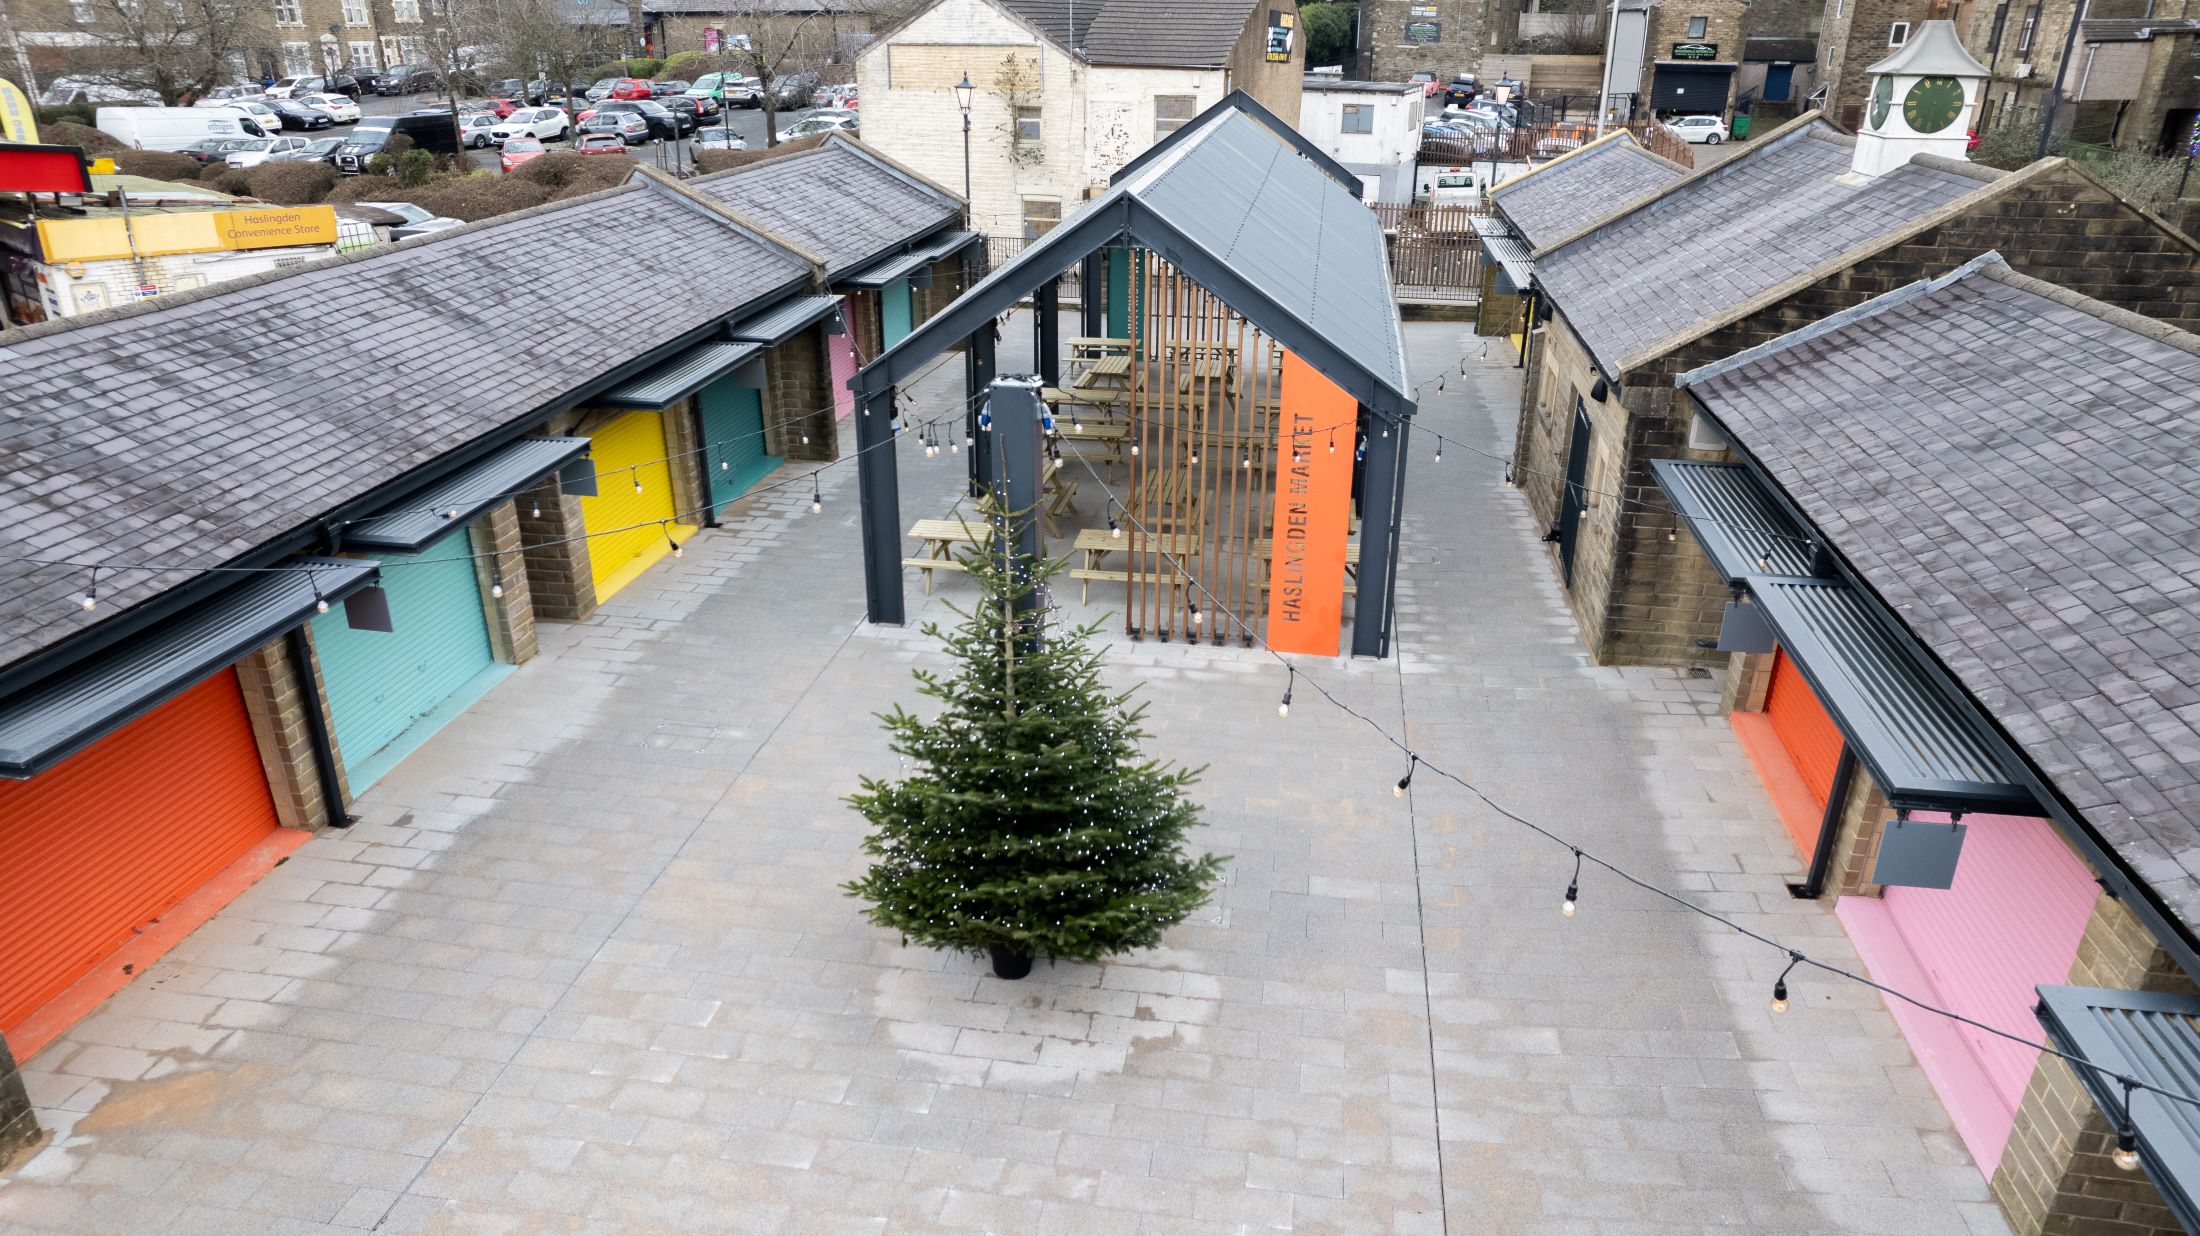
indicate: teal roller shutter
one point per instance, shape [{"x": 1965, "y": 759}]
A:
[
  {"x": 733, "y": 437},
  {"x": 893, "y": 301},
  {"x": 1119, "y": 293},
  {"x": 381, "y": 683}
]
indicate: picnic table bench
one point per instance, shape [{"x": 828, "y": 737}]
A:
[
  {"x": 1098, "y": 543},
  {"x": 939, "y": 538}
]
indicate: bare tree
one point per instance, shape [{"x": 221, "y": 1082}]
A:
[
  {"x": 170, "y": 48},
  {"x": 555, "y": 40},
  {"x": 456, "y": 37},
  {"x": 784, "y": 37}
]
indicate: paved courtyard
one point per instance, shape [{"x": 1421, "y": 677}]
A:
[{"x": 585, "y": 966}]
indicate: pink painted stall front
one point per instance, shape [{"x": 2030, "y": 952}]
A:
[
  {"x": 841, "y": 349},
  {"x": 2010, "y": 923}
]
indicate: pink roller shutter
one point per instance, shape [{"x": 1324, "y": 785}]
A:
[
  {"x": 842, "y": 349},
  {"x": 2012, "y": 921}
]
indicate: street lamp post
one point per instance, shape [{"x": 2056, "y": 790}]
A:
[{"x": 963, "y": 92}]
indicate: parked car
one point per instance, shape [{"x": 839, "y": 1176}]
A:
[
  {"x": 474, "y": 129},
  {"x": 630, "y": 88},
  {"x": 291, "y": 114},
  {"x": 519, "y": 150},
  {"x": 320, "y": 150},
  {"x": 666, "y": 89},
  {"x": 402, "y": 79},
  {"x": 629, "y": 127},
  {"x": 266, "y": 150},
  {"x": 1461, "y": 91},
  {"x": 215, "y": 149},
  {"x": 793, "y": 90},
  {"x": 173, "y": 128},
  {"x": 419, "y": 220},
  {"x": 729, "y": 89},
  {"x": 1428, "y": 83},
  {"x": 299, "y": 87},
  {"x": 546, "y": 123},
  {"x": 340, "y": 108},
  {"x": 430, "y": 132},
  {"x": 262, "y": 115},
  {"x": 599, "y": 143},
  {"x": 700, "y": 108},
  {"x": 285, "y": 86},
  {"x": 719, "y": 137},
  {"x": 602, "y": 88},
  {"x": 833, "y": 121},
  {"x": 502, "y": 106},
  {"x": 842, "y": 96},
  {"x": 1708, "y": 130},
  {"x": 664, "y": 123}
]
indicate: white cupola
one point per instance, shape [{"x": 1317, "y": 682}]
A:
[{"x": 1924, "y": 100}]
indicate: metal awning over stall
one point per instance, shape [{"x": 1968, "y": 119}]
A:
[
  {"x": 1508, "y": 251},
  {"x": 783, "y": 322},
  {"x": 408, "y": 526},
  {"x": 679, "y": 377},
  {"x": 55, "y": 719},
  {"x": 879, "y": 274},
  {"x": 2154, "y": 1038},
  {"x": 1741, "y": 528}
]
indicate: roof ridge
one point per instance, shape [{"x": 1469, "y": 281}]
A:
[
  {"x": 1609, "y": 139},
  {"x": 2168, "y": 334},
  {"x": 710, "y": 206},
  {"x": 1842, "y": 320}
]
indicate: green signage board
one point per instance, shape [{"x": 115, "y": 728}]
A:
[
  {"x": 1424, "y": 32},
  {"x": 1695, "y": 51}
]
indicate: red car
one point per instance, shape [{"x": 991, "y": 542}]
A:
[
  {"x": 519, "y": 150},
  {"x": 503, "y": 107},
  {"x": 632, "y": 88},
  {"x": 599, "y": 143}
]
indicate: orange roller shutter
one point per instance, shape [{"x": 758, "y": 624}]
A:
[
  {"x": 1804, "y": 727},
  {"x": 95, "y": 849}
]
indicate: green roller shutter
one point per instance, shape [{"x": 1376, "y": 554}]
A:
[
  {"x": 382, "y": 684},
  {"x": 733, "y": 437},
  {"x": 1119, "y": 293},
  {"x": 893, "y": 301}
]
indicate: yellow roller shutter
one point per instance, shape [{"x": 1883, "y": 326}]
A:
[{"x": 634, "y": 494}]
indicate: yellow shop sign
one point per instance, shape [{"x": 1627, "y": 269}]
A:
[{"x": 199, "y": 231}]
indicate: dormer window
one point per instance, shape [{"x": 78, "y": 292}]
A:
[{"x": 1898, "y": 34}]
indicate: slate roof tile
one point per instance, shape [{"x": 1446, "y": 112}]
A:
[
  {"x": 2053, "y": 591},
  {"x": 835, "y": 201},
  {"x": 1182, "y": 33},
  {"x": 1569, "y": 193},
  {"x": 191, "y": 430}
]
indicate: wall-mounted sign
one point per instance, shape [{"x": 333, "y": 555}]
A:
[
  {"x": 1421, "y": 10},
  {"x": 1695, "y": 51},
  {"x": 25, "y": 168},
  {"x": 711, "y": 36},
  {"x": 203, "y": 231},
  {"x": 1424, "y": 32},
  {"x": 1280, "y": 26}
]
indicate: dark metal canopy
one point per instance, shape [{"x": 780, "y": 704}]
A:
[
  {"x": 901, "y": 266},
  {"x": 1741, "y": 527},
  {"x": 1924, "y": 750},
  {"x": 679, "y": 377},
  {"x": 55, "y": 719},
  {"x": 410, "y": 525},
  {"x": 2155, "y": 1038},
  {"x": 782, "y": 322}
]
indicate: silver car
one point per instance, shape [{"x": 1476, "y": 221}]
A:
[{"x": 631, "y": 127}]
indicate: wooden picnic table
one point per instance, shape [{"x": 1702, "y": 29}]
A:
[
  {"x": 1167, "y": 498},
  {"x": 1213, "y": 370},
  {"x": 1106, "y": 371},
  {"x": 1098, "y": 543},
  {"x": 1098, "y": 398},
  {"x": 1097, "y": 345},
  {"x": 940, "y": 537},
  {"x": 1109, "y": 434}
]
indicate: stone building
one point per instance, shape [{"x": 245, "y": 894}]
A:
[
  {"x": 1399, "y": 38},
  {"x": 1063, "y": 93},
  {"x": 823, "y": 35},
  {"x": 1692, "y": 51},
  {"x": 1809, "y": 222},
  {"x": 1966, "y": 731}
]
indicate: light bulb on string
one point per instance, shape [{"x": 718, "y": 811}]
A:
[
  {"x": 1196, "y": 615},
  {"x": 1573, "y": 888},
  {"x": 817, "y": 496},
  {"x": 637, "y": 479},
  {"x": 496, "y": 586},
  {"x": 677, "y": 552},
  {"x": 725, "y": 465},
  {"x": 1406, "y": 782},
  {"x": 2126, "y": 1154},
  {"x": 90, "y": 600},
  {"x": 1284, "y": 709},
  {"x": 1332, "y": 441},
  {"x": 534, "y": 508},
  {"x": 1245, "y": 460},
  {"x": 1439, "y": 450},
  {"x": 1780, "y": 985}
]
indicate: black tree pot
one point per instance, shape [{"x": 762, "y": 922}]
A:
[{"x": 1008, "y": 963}]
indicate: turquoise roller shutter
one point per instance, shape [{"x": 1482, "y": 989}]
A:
[
  {"x": 893, "y": 302},
  {"x": 380, "y": 683},
  {"x": 733, "y": 437}
]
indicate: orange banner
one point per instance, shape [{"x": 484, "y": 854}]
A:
[{"x": 1313, "y": 511}]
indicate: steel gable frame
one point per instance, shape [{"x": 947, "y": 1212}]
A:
[{"x": 2078, "y": 1021}]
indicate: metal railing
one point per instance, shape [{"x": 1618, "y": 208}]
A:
[
  {"x": 1528, "y": 142},
  {"x": 1434, "y": 251}
]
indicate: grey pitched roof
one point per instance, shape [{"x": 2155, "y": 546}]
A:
[
  {"x": 1728, "y": 234},
  {"x": 1582, "y": 186},
  {"x": 1325, "y": 81},
  {"x": 838, "y": 201},
  {"x": 190, "y": 430},
  {"x": 1178, "y": 33},
  {"x": 2016, "y": 471}
]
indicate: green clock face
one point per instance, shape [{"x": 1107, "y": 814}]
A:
[
  {"x": 1882, "y": 99},
  {"x": 1933, "y": 104}
]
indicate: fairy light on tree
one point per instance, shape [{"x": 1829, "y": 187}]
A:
[{"x": 1028, "y": 824}]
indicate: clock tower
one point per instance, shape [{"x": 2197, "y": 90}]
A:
[{"x": 1924, "y": 100}]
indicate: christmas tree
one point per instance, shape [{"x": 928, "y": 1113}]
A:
[{"x": 1028, "y": 825}]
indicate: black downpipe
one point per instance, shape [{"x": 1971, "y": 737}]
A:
[
  {"x": 1829, "y": 827},
  {"x": 324, "y": 750}
]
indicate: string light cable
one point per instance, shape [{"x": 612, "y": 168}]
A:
[{"x": 1795, "y": 957}]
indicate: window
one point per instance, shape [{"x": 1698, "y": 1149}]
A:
[
  {"x": 1041, "y": 214},
  {"x": 1358, "y": 118},
  {"x": 1698, "y": 27},
  {"x": 80, "y": 11},
  {"x": 286, "y": 13},
  {"x": 1172, "y": 112},
  {"x": 1027, "y": 124},
  {"x": 362, "y": 54},
  {"x": 355, "y": 12},
  {"x": 2024, "y": 34},
  {"x": 405, "y": 10},
  {"x": 1898, "y": 34},
  {"x": 1993, "y": 36},
  {"x": 297, "y": 58}
]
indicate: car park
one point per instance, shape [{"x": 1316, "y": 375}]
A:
[
  {"x": 546, "y": 123},
  {"x": 319, "y": 150},
  {"x": 419, "y": 220},
  {"x": 403, "y": 79},
  {"x": 664, "y": 123},
  {"x": 793, "y": 90},
  {"x": 1707, "y": 130},
  {"x": 832, "y": 121},
  {"x": 629, "y": 127},
  {"x": 1427, "y": 82},
  {"x": 602, "y": 88},
  {"x": 519, "y": 150},
  {"x": 719, "y": 137},
  {"x": 599, "y": 143},
  {"x": 215, "y": 149},
  {"x": 340, "y": 108},
  {"x": 291, "y": 114},
  {"x": 266, "y": 150},
  {"x": 665, "y": 89},
  {"x": 729, "y": 89},
  {"x": 474, "y": 129},
  {"x": 699, "y": 107}
]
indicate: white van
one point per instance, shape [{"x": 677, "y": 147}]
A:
[
  {"x": 173, "y": 128},
  {"x": 1462, "y": 185}
]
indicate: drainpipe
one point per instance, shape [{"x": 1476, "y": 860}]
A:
[
  {"x": 2054, "y": 94},
  {"x": 324, "y": 751},
  {"x": 1829, "y": 827}
]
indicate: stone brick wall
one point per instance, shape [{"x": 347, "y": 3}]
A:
[
  {"x": 511, "y": 616},
  {"x": 2056, "y": 1177},
  {"x": 798, "y": 399},
  {"x": 1748, "y": 681},
  {"x": 559, "y": 580},
  {"x": 864, "y": 325},
  {"x": 1669, "y": 24},
  {"x": 684, "y": 459},
  {"x": 1496, "y": 313},
  {"x": 277, "y": 710},
  {"x": 1856, "y": 845},
  {"x": 1468, "y": 31},
  {"x": 1854, "y": 38}
]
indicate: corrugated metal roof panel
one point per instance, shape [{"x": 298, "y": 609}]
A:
[
  {"x": 909, "y": 263},
  {"x": 1742, "y": 530},
  {"x": 782, "y": 321},
  {"x": 680, "y": 377},
  {"x": 2154, "y": 1038},
  {"x": 61, "y": 716},
  {"x": 1922, "y": 750},
  {"x": 410, "y": 526}
]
